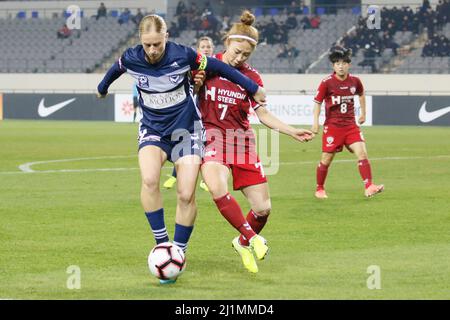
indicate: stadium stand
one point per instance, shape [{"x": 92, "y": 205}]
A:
[
  {"x": 32, "y": 45},
  {"x": 293, "y": 39}
]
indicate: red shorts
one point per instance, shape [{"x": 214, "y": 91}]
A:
[
  {"x": 335, "y": 138},
  {"x": 245, "y": 165}
]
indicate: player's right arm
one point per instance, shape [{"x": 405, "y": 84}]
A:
[
  {"x": 316, "y": 113},
  {"x": 200, "y": 61},
  {"x": 318, "y": 99},
  {"x": 113, "y": 73}
]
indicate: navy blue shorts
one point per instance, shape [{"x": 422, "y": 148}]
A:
[{"x": 181, "y": 143}]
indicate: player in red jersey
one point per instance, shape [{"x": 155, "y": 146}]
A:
[
  {"x": 340, "y": 129},
  {"x": 205, "y": 45},
  {"x": 230, "y": 143}
]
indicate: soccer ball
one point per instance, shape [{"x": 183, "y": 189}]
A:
[{"x": 166, "y": 261}]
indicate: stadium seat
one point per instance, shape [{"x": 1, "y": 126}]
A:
[
  {"x": 273, "y": 11},
  {"x": 258, "y": 12},
  {"x": 356, "y": 11},
  {"x": 21, "y": 15},
  {"x": 320, "y": 11}
]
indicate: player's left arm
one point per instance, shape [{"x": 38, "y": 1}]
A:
[
  {"x": 272, "y": 122},
  {"x": 362, "y": 103}
]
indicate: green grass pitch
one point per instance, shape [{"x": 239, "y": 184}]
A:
[{"x": 318, "y": 249}]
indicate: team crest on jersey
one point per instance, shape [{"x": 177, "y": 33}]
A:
[
  {"x": 143, "y": 82},
  {"x": 352, "y": 90},
  {"x": 330, "y": 141},
  {"x": 174, "y": 78}
]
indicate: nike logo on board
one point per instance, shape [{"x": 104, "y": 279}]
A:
[
  {"x": 428, "y": 116},
  {"x": 44, "y": 111}
]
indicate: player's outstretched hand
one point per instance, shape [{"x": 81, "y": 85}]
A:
[
  {"x": 260, "y": 96},
  {"x": 362, "y": 119},
  {"x": 101, "y": 96},
  {"x": 302, "y": 135}
]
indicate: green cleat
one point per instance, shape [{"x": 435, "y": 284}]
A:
[
  {"x": 246, "y": 255},
  {"x": 204, "y": 186},
  {"x": 169, "y": 183},
  {"x": 259, "y": 246}
]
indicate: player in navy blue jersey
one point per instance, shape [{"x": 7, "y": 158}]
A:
[
  {"x": 205, "y": 45},
  {"x": 171, "y": 127}
]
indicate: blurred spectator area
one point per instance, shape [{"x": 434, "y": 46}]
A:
[
  {"x": 34, "y": 44},
  {"x": 294, "y": 37}
]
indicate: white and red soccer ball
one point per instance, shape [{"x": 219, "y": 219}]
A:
[{"x": 166, "y": 261}]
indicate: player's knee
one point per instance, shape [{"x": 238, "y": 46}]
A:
[
  {"x": 326, "y": 161},
  {"x": 362, "y": 155},
  {"x": 326, "y": 158},
  {"x": 185, "y": 196},
  {"x": 150, "y": 183},
  {"x": 217, "y": 191}
]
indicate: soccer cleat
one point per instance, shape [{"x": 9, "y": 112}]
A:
[
  {"x": 259, "y": 246},
  {"x": 168, "y": 281},
  {"x": 246, "y": 255},
  {"x": 204, "y": 186},
  {"x": 169, "y": 183},
  {"x": 321, "y": 194},
  {"x": 373, "y": 189}
]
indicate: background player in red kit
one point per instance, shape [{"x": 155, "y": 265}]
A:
[
  {"x": 205, "y": 45},
  {"x": 338, "y": 91},
  {"x": 225, "y": 108}
]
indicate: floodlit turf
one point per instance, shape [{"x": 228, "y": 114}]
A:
[{"x": 318, "y": 249}]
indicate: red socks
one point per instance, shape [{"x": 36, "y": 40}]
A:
[
  {"x": 256, "y": 222},
  {"x": 365, "y": 172},
  {"x": 321, "y": 175},
  {"x": 231, "y": 211}
]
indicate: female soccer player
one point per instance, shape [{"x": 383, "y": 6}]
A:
[
  {"x": 205, "y": 46},
  {"x": 225, "y": 109},
  {"x": 170, "y": 128},
  {"x": 338, "y": 91}
]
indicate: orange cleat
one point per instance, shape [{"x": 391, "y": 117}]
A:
[
  {"x": 373, "y": 189},
  {"x": 321, "y": 194}
]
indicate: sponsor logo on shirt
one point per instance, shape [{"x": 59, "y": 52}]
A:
[{"x": 163, "y": 100}]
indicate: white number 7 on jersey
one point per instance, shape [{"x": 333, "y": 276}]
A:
[{"x": 224, "y": 107}]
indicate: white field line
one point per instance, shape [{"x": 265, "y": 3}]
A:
[{"x": 26, "y": 167}]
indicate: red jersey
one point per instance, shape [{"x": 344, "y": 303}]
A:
[
  {"x": 339, "y": 99},
  {"x": 226, "y": 105}
]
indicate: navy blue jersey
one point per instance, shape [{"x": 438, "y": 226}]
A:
[{"x": 166, "y": 87}]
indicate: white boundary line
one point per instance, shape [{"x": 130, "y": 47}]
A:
[{"x": 26, "y": 167}]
